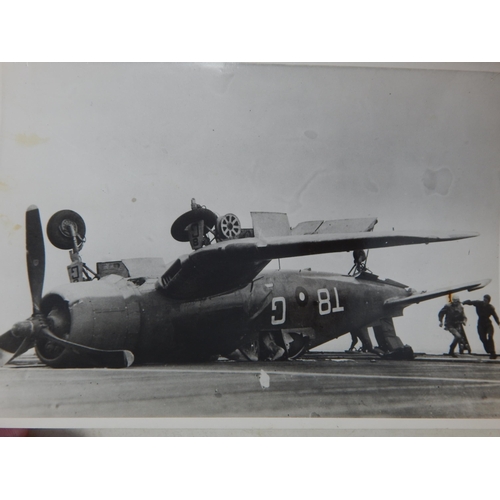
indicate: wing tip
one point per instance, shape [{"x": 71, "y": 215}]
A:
[
  {"x": 472, "y": 234},
  {"x": 479, "y": 285},
  {"x": 128, "y": 358},
  {"x": 456, "y": 235}
]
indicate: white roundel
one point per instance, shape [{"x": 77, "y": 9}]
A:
[{"x": 301, "y": 296}]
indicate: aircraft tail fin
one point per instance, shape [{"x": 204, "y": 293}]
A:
[{"x": 398, "y": 304}]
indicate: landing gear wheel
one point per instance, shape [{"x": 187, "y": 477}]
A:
[
  {"x": 179, "y": 227},
  {"x": 58, "y": 229},
  {"x": 229, "y": 227}
]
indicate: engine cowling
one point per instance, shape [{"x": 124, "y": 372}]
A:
[{"x": 103, "y": 315}]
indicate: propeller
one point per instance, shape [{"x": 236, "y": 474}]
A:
[
  {"x": 24, "y": 335},
  {"x": 20, "y": 337},
  {"x": 35, "y": 256}
]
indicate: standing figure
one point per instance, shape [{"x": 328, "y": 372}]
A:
[
  {"x": 455, "y": 319},
  {"x": 363, "y": 335},
  {"x": 354, "y": 341},
  {"x": 484, "y": 325}
]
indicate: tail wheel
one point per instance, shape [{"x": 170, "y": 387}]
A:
[{"x": 229, "y": 227}]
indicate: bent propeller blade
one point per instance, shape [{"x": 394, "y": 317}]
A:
[
  {"x": 4, "y": 357},
  {"x": 10, "y": 342},
  {"x": 26, "y": 344},
  {"x": 35, "y": 256},
  {"x": 98, "y": 358}
]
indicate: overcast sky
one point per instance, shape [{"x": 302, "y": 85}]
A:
[{"x": 128, "y": 145}]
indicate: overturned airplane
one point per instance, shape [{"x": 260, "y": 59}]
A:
[{"x": 216, "y": 300}]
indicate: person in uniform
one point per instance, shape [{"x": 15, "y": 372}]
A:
[
  {"x": 464, "y": 346},
  {"x": 454, "y": 320},
  {"x": 484, "y": 311}
]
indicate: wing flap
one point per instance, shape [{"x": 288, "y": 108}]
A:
[
  {"x": 335, "y": 226},
  {"x": 270, "y": 224}
]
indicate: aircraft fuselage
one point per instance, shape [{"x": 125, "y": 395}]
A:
[{"x": 127, "y": 313}]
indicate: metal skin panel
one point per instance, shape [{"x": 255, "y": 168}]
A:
[
  {"x": 331, "y": 304},
  {"x": 105, "y": 314},
  {"x": 145, "y": 267},
  {"x": 114, "y": 313},
  {"x": 117, "y": 313},
  {"x": 174, "y": 330}
]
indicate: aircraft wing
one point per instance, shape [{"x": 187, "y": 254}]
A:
[
  {"x": 231, "y": 264},
  {"x": 396, "y": 305}
]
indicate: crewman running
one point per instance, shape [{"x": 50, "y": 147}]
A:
[
  {"x": 484, "y": 325},
  {"x": 455, "y": 318}
]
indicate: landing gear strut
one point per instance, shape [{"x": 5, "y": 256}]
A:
[
  {"x": 66, "y": 230},
  {"x": 360, "y": 258},
  {"x": 200, "y": 226}
]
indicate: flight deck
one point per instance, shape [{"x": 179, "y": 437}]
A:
[{"x": 318, "y": 385}]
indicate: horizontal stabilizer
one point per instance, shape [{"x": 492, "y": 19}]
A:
[{"x": 401, "y": 303}]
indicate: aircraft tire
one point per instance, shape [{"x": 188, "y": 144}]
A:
[
  {"x": 178, "y": 229},
  {"x": 56, "y": 232}
]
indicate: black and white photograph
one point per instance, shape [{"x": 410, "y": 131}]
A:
[{"x": 221, "y": 244}]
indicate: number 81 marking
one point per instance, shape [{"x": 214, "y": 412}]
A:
[{"x": 324, "y": 304}]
